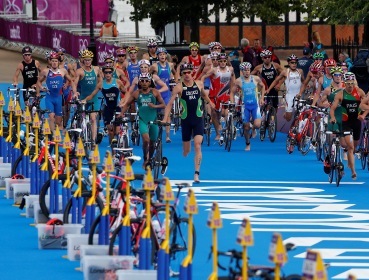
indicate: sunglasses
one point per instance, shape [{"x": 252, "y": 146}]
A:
[
  {"x": 152, "y": 47},
  {"x": 27, "y": 54},
  {"x": 266, "y": 57},
  {"x": 108, "y": 72},
  {"x": 293, "y": 62},
  {"x": 194, "y": 50},
  {"x": 349, "y": 83},
  {"x": 217, "y": 48},
  {"x": 121, "y": 55},
  {"x": 222, "y": 61},
  {"x": 145, "y": 81},
  {"x": 337, "y": 75},
  {"x": 186, "y": 72},
  {"x": 132, "y": 52}
]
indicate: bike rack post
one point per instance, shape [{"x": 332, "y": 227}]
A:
[
  {"x": 190, "y": 208},
  {"x": 277, "y": 254},
  {"x": 313, "y": 267},
  {"x": 44, "y": 173},
  {"x": 245, "y": 239},
  {"x": 91, "y": 203},
  {"x": 54, "y": 182},
  {"x": 16, "y": 148},
  {"x": 125, "y": 233},
  {"x": 104, "y": 222},
  {"x": 166, "y": 195},
  {"x": 77, "y": 196},
  {"x": 2, "y": 144},
  {"x": 145, "y": 241},
  {"x": 8, "y": 149},
  {"x": 35, "y": 170},
  {"x": 214, "y": 223},
  {"x": 66, "y": 191},
  {"x": 25, "y": 160}
]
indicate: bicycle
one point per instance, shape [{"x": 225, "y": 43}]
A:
[
  {"x": 207, "y": 125},
  {"x": 364, "y": 145},
  {"x": 176, "y": 113},
  {"x": 335, "y": 158},
  {"x": 120, "y": 139},
  {"x": 268, "y": 121},
  {"x": 302, "y": 129},
  {"x": 321, "y": 143},
  {"x": 230, "y": 131},
  {"x": 253, "y": 271},
  {"x": 178, "y": 232},
  {"x": 157, "y": 161}
]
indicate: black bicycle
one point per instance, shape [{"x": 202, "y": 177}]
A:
[
  {"x": 269, "y": 121},
  {"x": 157, "y": 161},
  {"x": 253, "y": 271}
]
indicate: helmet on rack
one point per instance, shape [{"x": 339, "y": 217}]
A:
[
  {"x": 109, "y": 57},
  {"x": 222, "y": 56},
  {"x": 54, "y": 55},
  {"x": 120, "y": 51},
  {"x": 194, "y": 45},
  {"x": 161, "y": 50},
  {"x": 349, "y": 76},
  {"x": 336, "y": 69},
  {"x": 292, "y": 57},
  {"x": 144, "y": 76},
  {"x": 330, "y": 62},
  {"x": 245, "y": 65},
  {"x": 316, "y": 67},
  {"x": 27, "y": 50},
  {"x": 87, "y": 54},
  {"x": 144, "y": 61},
  {"x": 318, "y": 55},
  {"x": 152, "y": 42},
  {"x": 132, "y": 49},
  {"x": 186, "y": 66},
  {"x": 265, "y": 53}
]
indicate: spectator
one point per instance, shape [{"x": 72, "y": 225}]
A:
[
  {"x": 234, "y": 58},
  {"x": 305, "y": 61},
  {"x": 316, "y": 45},
  {"x": 344, "y": 57},
  {"x": 258, "y": 49},
  {"x": 109, "y": 29},
  {"x": 249, "y": 54},
  {"x": 274, "y": 57}
]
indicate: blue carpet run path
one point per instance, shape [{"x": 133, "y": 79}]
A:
[{"x": 279, "y": 192}]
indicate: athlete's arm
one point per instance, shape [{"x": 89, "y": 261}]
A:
[
  {"x": 154, "y": 69},
  {"x": 236, "y": 87},
  {"x": 207, "y": 75},
  {"x": 176, "y": 90},
  {"x": 204, "y": 95},
  {"x": 126, "y": 102},
  {"x": 159, "y": 100},
  {"x": 121, "y": 86},
  {"x": 40, "y": 80},
  {"x": 17, "y": 72},
  {"x": 79, "y": 76},
  {"x": 38, "y": 66},
  {"x": 336, "y": 102},
  {"x": 261, "y": 87},
  {"x": 256, "y": 70},
  {"x": 158, "y": 81},
  {"x": 305, "y": 83},
  {"x": 94, "y": 92},
  {"x": 320, "y": 101},
  {"x": 281, "y": 77}
]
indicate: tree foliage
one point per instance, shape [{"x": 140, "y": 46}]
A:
[{"x": 163, "y": 12}]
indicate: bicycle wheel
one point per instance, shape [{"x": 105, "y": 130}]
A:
[
  {"x": 178, "y": 244},
  {"x": 363, "y": 150},
  {"x": 333, "y": 169},
  {"x": 292, "y": 277},
  {"x": 156, "y": 163},
  {"x": 230, "y": 134},
  {"x": 338, "y": 167},
  {"x": 305, "y": 141},
  {"x": 87, "y": 140},
  {"x": 45, "y": 190},
  {"x": 290, "y": 144},
  {"x": 319, "y": 146},
  {"x": 86, "y": 195},
  {"x": 272, "y": 124},
  {"x": 16, "y": 168}
]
